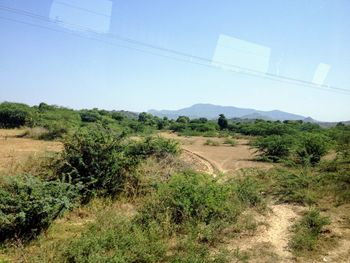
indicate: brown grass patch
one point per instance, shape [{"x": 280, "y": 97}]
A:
[{"x": 15, "y": 151}]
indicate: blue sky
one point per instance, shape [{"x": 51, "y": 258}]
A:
[{"x": 70, "y": 66}]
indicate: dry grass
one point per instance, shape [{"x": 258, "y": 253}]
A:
[{"x": 15, "y": 151}]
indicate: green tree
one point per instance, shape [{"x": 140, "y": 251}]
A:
[
  {"x": 183, "y": 119},
  {"x": 222, "y": 122}
]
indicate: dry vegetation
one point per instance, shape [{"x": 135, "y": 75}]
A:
[
  {"x": 16, "y": 151},
  {"x": 265, "y": 214}
]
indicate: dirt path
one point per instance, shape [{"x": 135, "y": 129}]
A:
[
  {"x": 202, "y": 164},
  {"x": 222, "y": 158},
  {"x": 270, "y": 242},
  {"x": 278, "y": 234}
]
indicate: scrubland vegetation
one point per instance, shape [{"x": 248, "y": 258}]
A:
[{"x": 177, "y": 214}]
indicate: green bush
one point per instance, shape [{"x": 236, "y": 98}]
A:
[
  {"x": 94, "y": 158},
  {"x": 248, "y": 190},
  {"x": 158, "y": 147},
  {"x": 57, "y": 120},
  {"x": 14, "y": 115},
  {"x": 191, "y": 198},
  {"x": 307, "y": 231},
  {"x": 274, "y": 147},
  {"x": 116, "y": 239},
  {"x": 312, "y": 148},
  {"x": 295, "y": 187},
  {"x": 90, "y": 115},
  {"x": 29, "y": 205}
]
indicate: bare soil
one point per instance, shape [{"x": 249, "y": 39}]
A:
[
  {"x": 222, "y": 158},
  {"x": 269, "y": 243}
]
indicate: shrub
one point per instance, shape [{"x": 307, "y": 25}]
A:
[
  {"x": 28, "y": 205},
  {"x": 274, "y": 147},
  {"x": 158, "y": 147},
  {"x": 248, "y": 190},
  {"x": 14, "y": 115},
  {"x": 230, "y": 142},
  {"x": 295, "y": 187},
  {"x": 90, "y": 116},
  {"x": 35, "y": 133},
  {"x": 94, "y": 158},
  {"x": 116, "y": 239},
  {"x": 210, "y": 142},
  {"x": 191, "y": 198},
  {"x": 307, "y": 231},
  {"x": 312, "y": 148}
]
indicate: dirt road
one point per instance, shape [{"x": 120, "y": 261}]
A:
[{"x": 222, "y": 158}]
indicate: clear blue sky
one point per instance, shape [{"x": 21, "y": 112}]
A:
[{"x": 291, "y": 37}]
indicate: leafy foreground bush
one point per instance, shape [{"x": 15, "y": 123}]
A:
[
  {"x": 307, "y": 231},
  {"x": 177, "y": 224},
  {"x": 101, "y": 161},
  {"x": 29, "y": 205},
  {"x": 191, "y": 198},
  {"x": 94, "y": 158},
  {"x": 116, "y": 239}
]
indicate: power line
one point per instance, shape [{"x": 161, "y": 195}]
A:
[
  {"x": 207, "y": 62},
  {"x": 81, "y": 8}
]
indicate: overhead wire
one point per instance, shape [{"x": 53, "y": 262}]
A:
[{"x": 190, "y": 58}]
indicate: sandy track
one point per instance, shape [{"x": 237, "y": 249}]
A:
[
  {"x": 202, "y": 164},
  {"x": 222, "y": 158},
  {"x": 270, "y": 241}
]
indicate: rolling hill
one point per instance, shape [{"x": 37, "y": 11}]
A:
[{"x": 211, "y": 111}]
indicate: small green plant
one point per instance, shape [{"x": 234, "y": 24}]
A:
[
  {"x": 210, "y": 142},
  {"x": 307, "y": 231},
  {"x": 230, "y": 142}
]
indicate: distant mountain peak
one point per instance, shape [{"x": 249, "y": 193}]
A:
[{"x": 212, "y": 111}]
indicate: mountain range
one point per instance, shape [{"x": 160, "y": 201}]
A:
[{"x": 211, "y": 111}]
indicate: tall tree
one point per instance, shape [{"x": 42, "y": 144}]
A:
[{"x": 222, "y": 122}]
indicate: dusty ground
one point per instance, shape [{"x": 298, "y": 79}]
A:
[
  {"x": 269, "y": 243},
  {"x": 222, "y": 158},
  {"x": 15, "y": 150}
]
